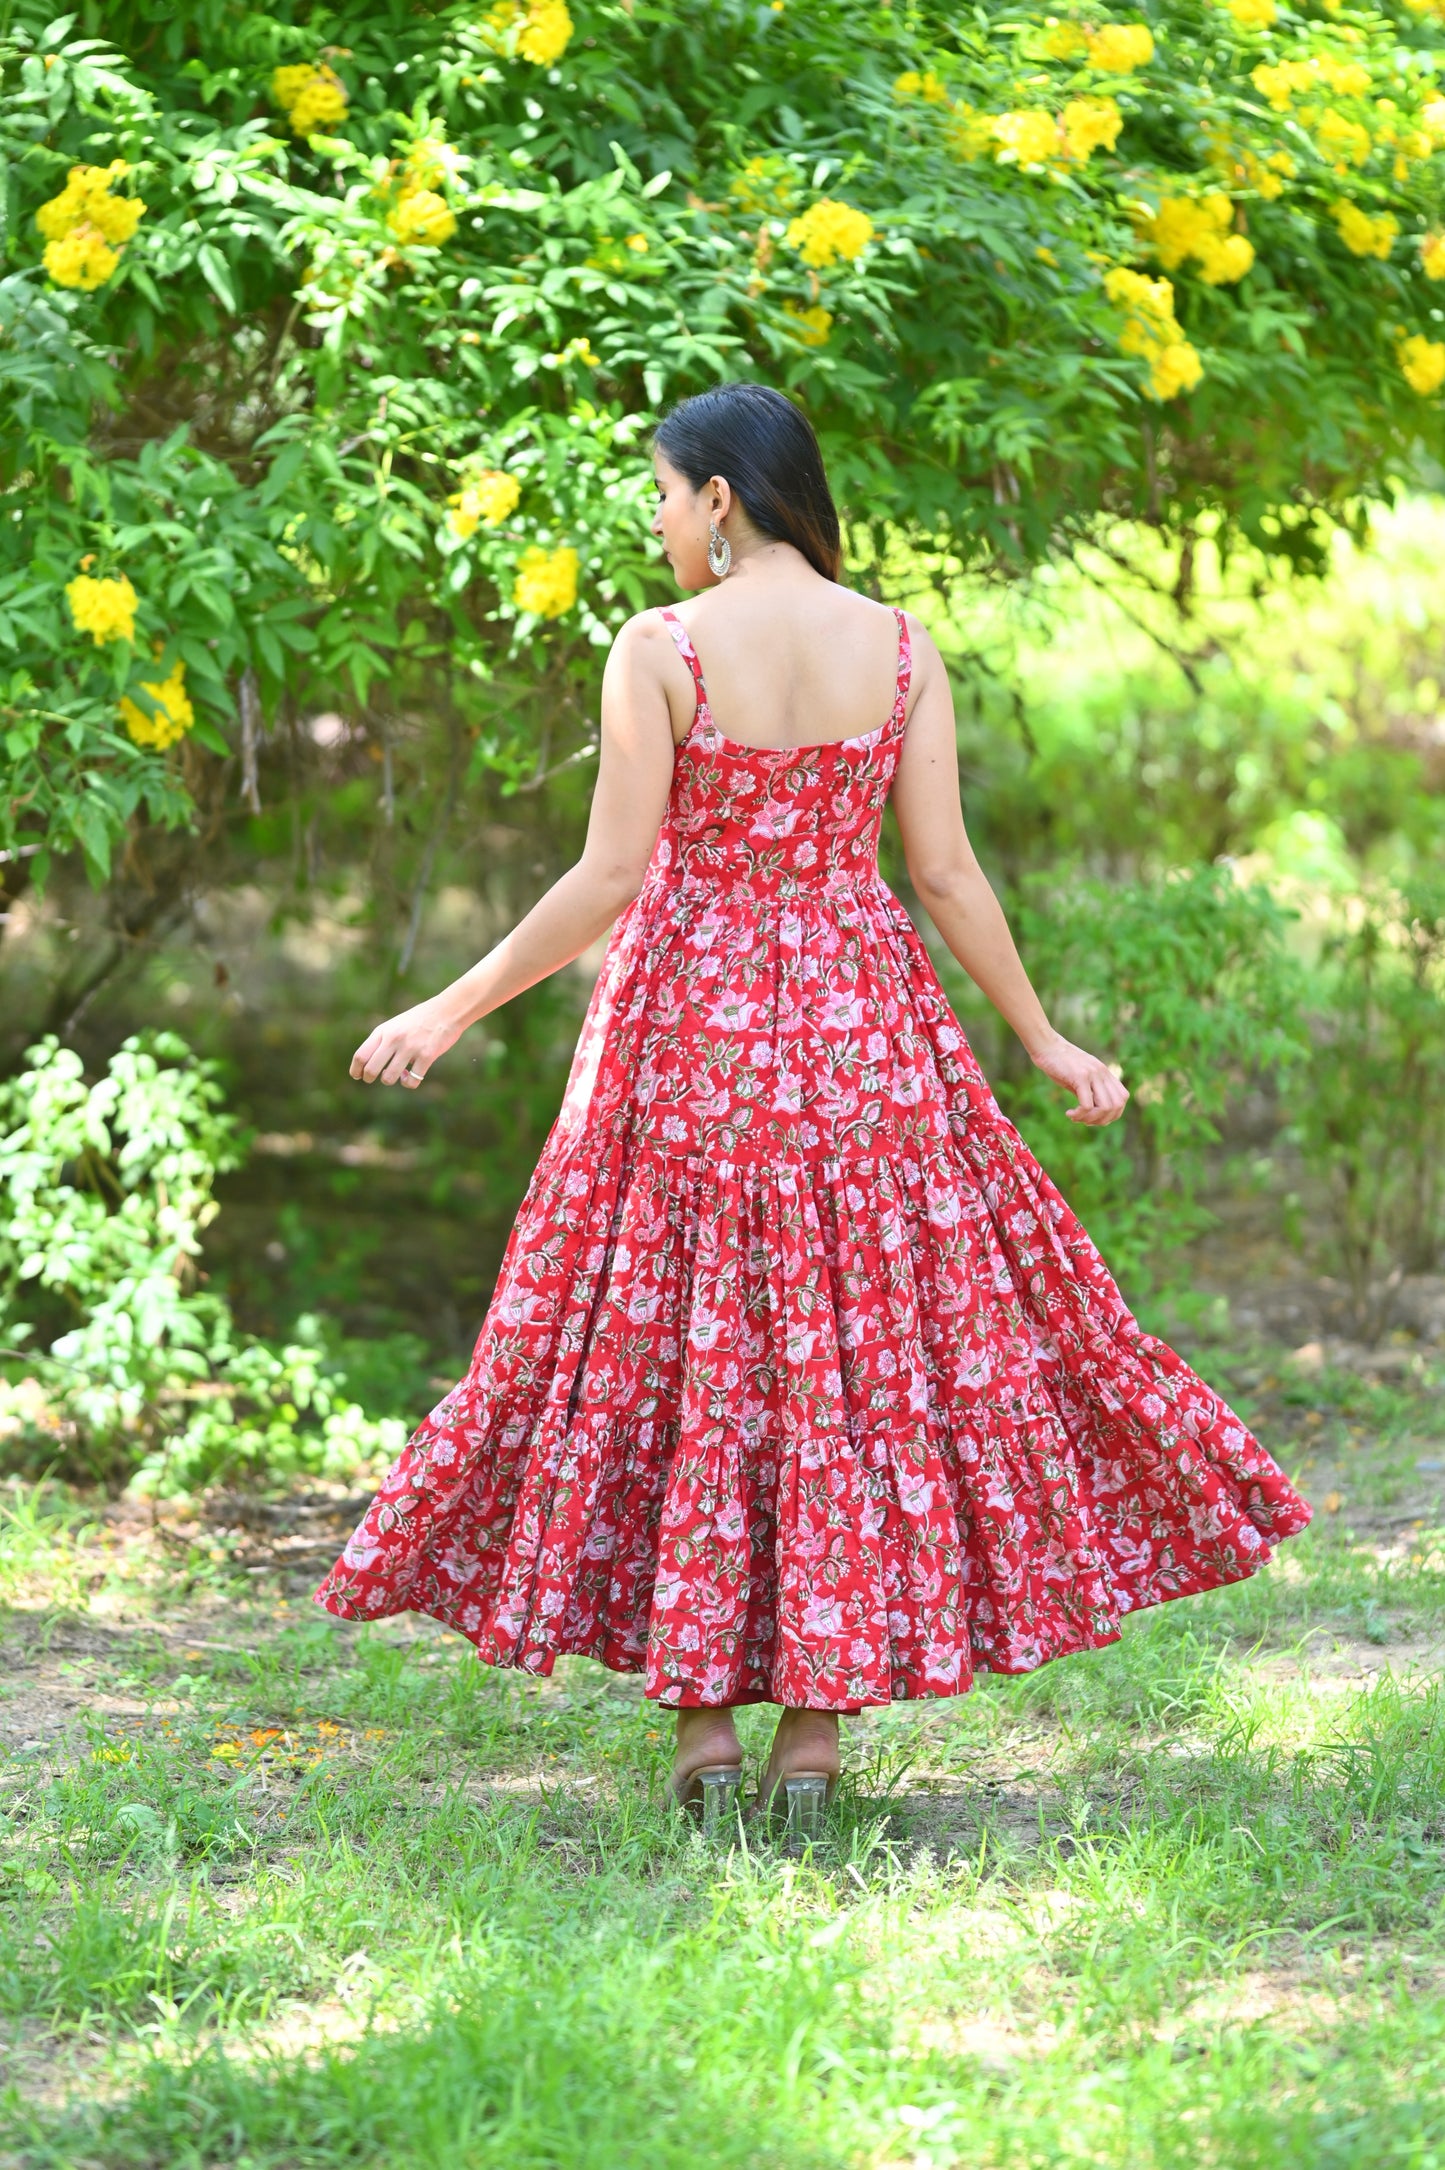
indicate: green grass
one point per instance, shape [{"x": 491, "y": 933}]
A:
[{"x": 323, "y": 1897}]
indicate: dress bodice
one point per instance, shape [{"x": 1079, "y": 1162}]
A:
[{"x": 781, "y": 820}]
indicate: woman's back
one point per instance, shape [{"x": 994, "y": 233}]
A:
[{"x": 798, "y": 662}]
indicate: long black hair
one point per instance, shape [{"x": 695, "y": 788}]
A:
[{"x": 764, "y": 446}]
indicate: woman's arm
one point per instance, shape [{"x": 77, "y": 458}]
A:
[
  {"x": 953, "y": 889},
  {"x": 634, "y": 775}
]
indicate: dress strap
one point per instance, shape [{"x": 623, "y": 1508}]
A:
[
  {"x": 685, "y": 649},
  {"x": 905, "y": 666}
]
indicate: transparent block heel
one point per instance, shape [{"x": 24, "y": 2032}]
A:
[
  {"x": 712, "y": 1796},
  {"x": 806, "y": 1801}
]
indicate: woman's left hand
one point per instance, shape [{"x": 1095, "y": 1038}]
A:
[
  {"x": 1101, "y": 1097},
  {"x": 401, "y": 1051}
]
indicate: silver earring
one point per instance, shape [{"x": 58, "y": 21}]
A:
[{"x": 719, "y": 552}]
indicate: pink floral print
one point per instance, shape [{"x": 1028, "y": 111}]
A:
[{"x": 801, "y": 1383}]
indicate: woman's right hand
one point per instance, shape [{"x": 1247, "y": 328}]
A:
[
  {"x": 1101, "y": 1096},
  {"x": 401, "y": 1051}
]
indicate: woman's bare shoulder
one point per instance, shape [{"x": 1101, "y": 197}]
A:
[
  {"x": 644, "y": 629},
  {"x": 644, "y": 642}
]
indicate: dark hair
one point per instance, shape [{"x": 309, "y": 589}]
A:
[{"x": 764, "y": 446}]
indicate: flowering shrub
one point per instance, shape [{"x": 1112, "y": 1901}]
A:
[{"x": 362, "y": 400}]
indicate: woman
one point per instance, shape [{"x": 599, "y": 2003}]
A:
[{"x": 801, "y": 1384}]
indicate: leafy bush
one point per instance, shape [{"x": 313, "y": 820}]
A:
[
  {"x": 383, "y": 300},
  {"x": 1187, "y": 983},
  {"x": 1372, "y": 1122},
  {"x": 105, "y": 1190}
]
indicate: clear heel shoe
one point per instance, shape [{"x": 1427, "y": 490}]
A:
[
  {"x": 806, "y": 1796},
  {"x": 712, "y": 1795}
]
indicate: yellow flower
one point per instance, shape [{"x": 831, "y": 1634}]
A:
[
  {"x": 312, "y": 96},
  {"x": 1199, "y": 228},
  {"x": 1120, "y": 48},
  {"x": 1151, "y": 301},
  {"x": 1254, "y": 14},
  {"x": 1151, "y": 332},
  {"x": 576, "y": 350},
  {"x": 1346, "y": 78},
  {"x": 484, "y": 499},
  {"x": 105, "y": 609},
  {"x": 1064, "y": 41},
  {"x": 928, "y": 86},
  {"x": 86, "y": 200},
  {"x": 1341, "y": 138},
  {"x": 764, "y": 185},
  {"x": 969, "y": 133},
  {"x": 1091, "y": 124},
  {"x": 85, "y": 226},
  {"x": 811, "y": 326},
  {"x": 424, "y": 216},
  {"x": 1030, "y": 137},
  {"x": 1278, "y": 84},
  {"x": 85, "y": 187},
  {"x": 1363, "y": 235},
  {"x": 1422, "y": 363},
  {"x": 546, "y": 581},
  {"x": 829, "y": 232},
  {"x": 82, "y": 259},
  {"x": 429, "y": 163},
  {"x": 1243, "y": 169},
  {"x": 618, "y": 257},
  {"x": 117, "y": 217},
  {"x": 288, "y": 83},
  {"x": 1223, "y": 261},
  {"x": 173, "y": 715},
  {"x": 1173, "y": 369},
  {"x": 1432, "y": 256},
  {"x": 535, "y": 30}
]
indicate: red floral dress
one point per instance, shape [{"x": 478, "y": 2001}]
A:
[{"x": 801, "y": 1383}]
